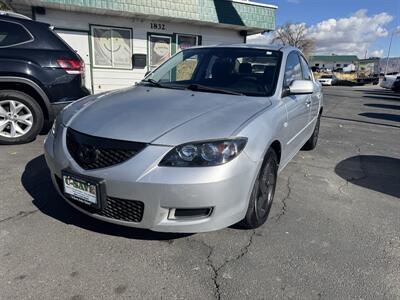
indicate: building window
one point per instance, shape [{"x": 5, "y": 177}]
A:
[
  {"x": 184, "y": 41},
  {"x": 112, "y": 47},
  {"x": 159, "y": 49}
]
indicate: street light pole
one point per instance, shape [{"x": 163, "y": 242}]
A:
[{"x": 390, "y": 46}]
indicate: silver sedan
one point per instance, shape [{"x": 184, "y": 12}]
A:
[{"x": 196, "y": 146}]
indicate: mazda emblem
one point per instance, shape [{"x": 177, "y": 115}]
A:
[{"x": 88, "y": 154}]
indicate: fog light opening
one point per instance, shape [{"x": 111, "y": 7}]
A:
[{"x": 189, "y": 213}]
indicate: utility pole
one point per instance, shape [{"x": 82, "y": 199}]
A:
[{"x": 390, "y": 46}]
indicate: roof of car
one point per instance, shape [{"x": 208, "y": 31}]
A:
[
  {"x": 251, "y": 46},
  {"x": 7, "y": 13}
]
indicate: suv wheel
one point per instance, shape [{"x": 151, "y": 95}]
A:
[{"x": 21, "y": 118}]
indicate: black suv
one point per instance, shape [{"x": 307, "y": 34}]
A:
[{"x": 39, "y": 75}]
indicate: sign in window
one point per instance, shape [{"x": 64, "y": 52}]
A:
[
  {"x": 159, "y": 50},
  {"x": 112, "y": 47},
  {"x": 186, "y": 41}
]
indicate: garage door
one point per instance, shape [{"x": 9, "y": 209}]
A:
[{"x": 79, "y": 41}]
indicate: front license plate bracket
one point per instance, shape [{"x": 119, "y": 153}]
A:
[{"x": 83, "y": 189}]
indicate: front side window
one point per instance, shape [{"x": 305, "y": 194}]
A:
[
  {"x": 306, "y": 69},
  {"x": 12, "y": 34},
  {"x": 251, "y": 72},
  {"x": 293, "y": 69},
  {"x": 112, "y": 47}
]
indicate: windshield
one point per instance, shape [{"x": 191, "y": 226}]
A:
[
  {"x": 238, "y": 71},
  {"x": 327, "y": 76}
]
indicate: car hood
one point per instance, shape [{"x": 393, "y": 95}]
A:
[{"x": 161, "y": 116}]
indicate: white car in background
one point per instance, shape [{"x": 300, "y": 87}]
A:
[
  {"x": 388, "y": 81},
  {"x": 328, "y": 79}
]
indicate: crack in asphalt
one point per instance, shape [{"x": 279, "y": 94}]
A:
[
  {"x": 20, "y": 215},
  {"x": 216, "y": 270},
  {"x": 284, "y": 200}
]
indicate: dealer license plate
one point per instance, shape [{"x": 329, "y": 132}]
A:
[{"x": 80, "y": 190}]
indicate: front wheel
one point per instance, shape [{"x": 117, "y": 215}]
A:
[
  {"x": 263, "y": 193},
  {"x": 312, "y": 141},
  {"x": 21, "y": 117}
]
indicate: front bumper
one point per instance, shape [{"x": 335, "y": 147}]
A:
[{"x": 226, "y": 189}]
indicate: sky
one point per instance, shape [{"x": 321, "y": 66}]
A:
[{"x": 344, "y": 26}]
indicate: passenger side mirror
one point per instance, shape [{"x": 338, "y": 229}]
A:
[{"x": 299, "y": 87}]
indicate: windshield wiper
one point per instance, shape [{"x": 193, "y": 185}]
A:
[
  {"x": 203, "y": 88},
  {"x": 153, "y": 82}
]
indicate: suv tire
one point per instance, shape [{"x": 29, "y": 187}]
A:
[{"x": 21, "y": 118}]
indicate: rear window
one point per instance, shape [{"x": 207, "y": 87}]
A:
[{"x": 12, "y": 34}]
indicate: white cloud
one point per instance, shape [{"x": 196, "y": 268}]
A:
[
  {"x": 376, "y": 53},
  {"x": 352, "y": 35},
  {"x": 260, "y": 39}
]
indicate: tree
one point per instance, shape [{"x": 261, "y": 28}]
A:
[
  {"x": 3, "y": 6},
  {"x": 294, "y": 35}
]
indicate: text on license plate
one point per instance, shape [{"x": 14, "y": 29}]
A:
[{"x": 80, "y": 190}]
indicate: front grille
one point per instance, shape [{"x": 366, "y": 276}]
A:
[
  {"x": 118, "y": 209},
  {"x": 124, "y": 210},
  {"x": 94, "y": 152}
]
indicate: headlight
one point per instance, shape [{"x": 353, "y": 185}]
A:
[
  {"x": 204, "y": 154},
  {"x": 56, "y": 124},
  {"x": 53, "y": 128}
]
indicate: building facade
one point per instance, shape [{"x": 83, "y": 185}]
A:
[
  {"x": 121, "y": 40},
  {"x": 334, "y": 62}
]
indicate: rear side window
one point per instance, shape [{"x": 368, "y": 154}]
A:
[
  {"x": 293, "y": 69},
  {"x": 12, "y": 34}
]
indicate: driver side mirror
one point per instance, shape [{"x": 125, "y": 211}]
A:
[{"x": 299, "y": 87}]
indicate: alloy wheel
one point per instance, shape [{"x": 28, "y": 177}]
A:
[
  {"x": 265, "y": 191},
  {"x": 16, "y": 119}
]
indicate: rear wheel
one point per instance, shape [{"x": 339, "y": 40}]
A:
[
  {"x": 21, "y": 117},
  {"x": 263, "y": 193},
  {"x": 312, "y": 141}
]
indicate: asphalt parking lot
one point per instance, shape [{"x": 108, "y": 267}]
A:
[{"x": 333, "y": 232}]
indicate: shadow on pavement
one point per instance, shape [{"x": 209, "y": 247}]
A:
[
  {"x": 378, "y": 173},
  {"x": 379, "y": 92},
  {"x": 381, "y": 116},
  {"x": 384, "y": 106},
  {"x": 37, "y": 182},
  {"x": 359, "y": 121},
  {"x": 381, "y": 97}
]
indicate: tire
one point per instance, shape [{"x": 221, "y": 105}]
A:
[
  {"x": 312, "y": 141},
  {"x": 263, "y": 193},
  {"x": 27, "y": 121}
]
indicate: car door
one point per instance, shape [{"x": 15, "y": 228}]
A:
[
  {"x": 297, "y": 108},
  {"x": 313, "y": 99}
]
